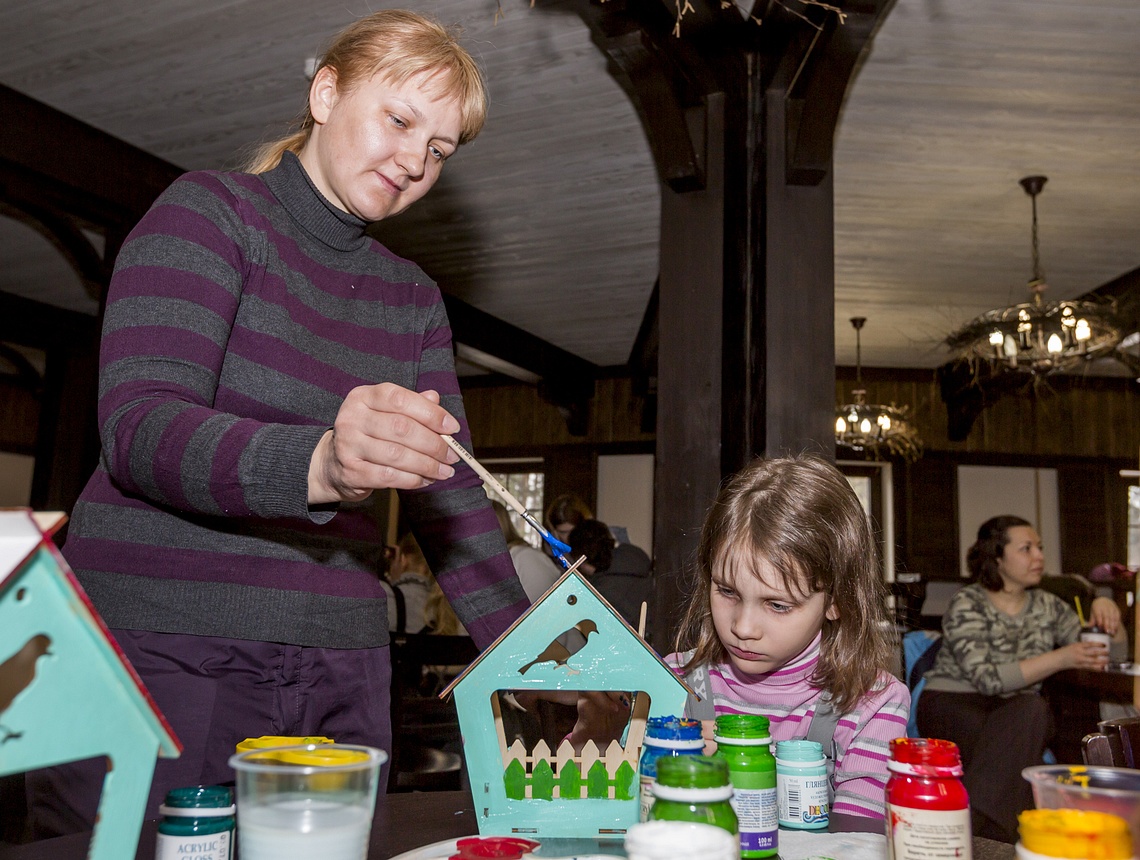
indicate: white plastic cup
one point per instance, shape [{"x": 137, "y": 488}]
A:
[
  {"x": 311, "y": 801},
  {"x": 1095, "y": 634}
]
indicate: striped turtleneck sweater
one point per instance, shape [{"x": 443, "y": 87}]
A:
[
  {"x": 242, "y": 310},
  {"x": 788, "y": 699}
]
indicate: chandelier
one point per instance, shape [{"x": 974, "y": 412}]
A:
[
  {"x": 1037, "y": 336},
  {"x": 872, "y": 428}
]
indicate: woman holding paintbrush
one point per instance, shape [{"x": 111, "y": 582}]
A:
[
  {"x": 266, "y": 365},
  {"x": 1001, "y": 637}
]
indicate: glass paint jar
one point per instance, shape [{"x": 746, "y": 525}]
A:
[
  {"x": 803, "y": 789},
  {"x": 928, "y": 809},
  {"x": 1075, "y": 834},
  {"x": 744, "y": 742},
  {"x": 197, "y": 824},
  {"x": 694, "y": 788},
  {"x": 665, "y": 736}
]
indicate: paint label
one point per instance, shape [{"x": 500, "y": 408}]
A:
[{"x": 926, "y": 834}]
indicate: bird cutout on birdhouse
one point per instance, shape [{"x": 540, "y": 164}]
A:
[
  {"x": 527, "y": 784},
  {"x": 561, "y": 649},
  {"x": 67, "y": 693}
]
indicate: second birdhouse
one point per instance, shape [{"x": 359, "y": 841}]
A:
[{"x": 526, "y": 778}]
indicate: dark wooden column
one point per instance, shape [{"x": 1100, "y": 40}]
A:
[{"x": 741, "y": 120}]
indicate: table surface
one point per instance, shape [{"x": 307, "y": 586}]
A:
[{"x": 403, "y": 822}]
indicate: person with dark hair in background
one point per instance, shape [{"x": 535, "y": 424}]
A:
[
  {"x": 1003, "y": 636},
  {"x": 622, "y": 577}
]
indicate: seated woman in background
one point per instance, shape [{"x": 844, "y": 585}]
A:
[{"x": 1002, "y": 636}]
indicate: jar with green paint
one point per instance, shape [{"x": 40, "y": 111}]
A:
[
  {"x": 744, "y": 742},
  {"x": 197, "y": 824},
  {"x": 694, "y": 788}
]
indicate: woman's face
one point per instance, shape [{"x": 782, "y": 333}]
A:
[
  {"x": 378, "y": 148},
  {"x": 1023, "y": 560}
]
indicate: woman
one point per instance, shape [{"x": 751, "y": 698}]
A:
[
  {"x": 1003, "y": 636},
  {"x": 265, "y": 367}
]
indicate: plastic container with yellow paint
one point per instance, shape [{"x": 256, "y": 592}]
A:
[{"x": 1073, "y": 834}]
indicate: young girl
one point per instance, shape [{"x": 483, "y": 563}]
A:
[{"x": 789, "y": 613}]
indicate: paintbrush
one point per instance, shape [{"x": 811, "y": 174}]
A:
[{"x": 560, "y": 549}]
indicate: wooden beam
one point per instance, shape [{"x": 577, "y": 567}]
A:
[{"x": 52, "y": 160}]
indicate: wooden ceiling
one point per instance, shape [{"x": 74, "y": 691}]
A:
[{"x": 549, "y": 220}]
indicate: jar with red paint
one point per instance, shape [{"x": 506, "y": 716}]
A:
[{"x": 928, "y": 810}]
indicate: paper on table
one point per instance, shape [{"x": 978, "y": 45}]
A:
[
  {"x": 806, "y": 845},
  {"x": 794, "y": 845}
]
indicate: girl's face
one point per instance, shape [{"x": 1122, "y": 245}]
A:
[
  {"x": 1023, "y": 559},
  {"x": 379, "y": 147},
  {"x": 762, "y": 625}
]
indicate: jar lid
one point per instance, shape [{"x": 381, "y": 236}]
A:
[
  {"x": 269, "y": 741},
  {"x": 691, "y": 771},
  {"x": 800, "y": 751},
  {"x": 199, "y": 801},
  {"x": 668, "y": 840},
  {"x": 313, "y": 755},
  {"x": 672, "y": 728},
  {"x": 744, "y": 726},
  {"x": 933, "y": 752}
]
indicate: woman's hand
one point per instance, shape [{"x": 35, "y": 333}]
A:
[
  {"x": 1085, "y": 655},
  {"x": 1105, "y": 614},
  {"x": 383, "y": 436}
]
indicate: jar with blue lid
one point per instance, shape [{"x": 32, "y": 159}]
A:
[
  {"x": 665, "y": 736},
  {"x": 803, "y": 789},
  {"x": 197, "y": 824}
]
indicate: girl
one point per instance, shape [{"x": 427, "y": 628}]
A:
[{"x": 789, "y": 618}]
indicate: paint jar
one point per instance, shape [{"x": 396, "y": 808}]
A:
[
  {"x": 665, "y": 736},
  {"x": 679, "y": 840},
  {"x": 744, "y": 742},
  {"x": 197, "y": 824},
  {"x": 694, "y": 788},
  {"x": 803, "y": 790},
  {"x": 1076, "y": 834},
  {"x": 928, "y": 810}
]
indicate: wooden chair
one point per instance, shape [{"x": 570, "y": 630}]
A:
[
  {"x": 1117, "y": 744},
  {"x": 425, "y": 730}
]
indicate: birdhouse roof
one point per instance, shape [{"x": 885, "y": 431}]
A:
[
  {"x": 568, "y": 601},
  {"x": 26, "y": 545}
]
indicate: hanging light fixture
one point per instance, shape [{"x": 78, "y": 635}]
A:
[
  {"x": 876, "y": 429},
  {"x": 1037, "y": 336}
]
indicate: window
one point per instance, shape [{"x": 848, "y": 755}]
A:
[{"x": 527, "y": 486}]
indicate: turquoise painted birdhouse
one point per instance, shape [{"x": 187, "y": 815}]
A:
[
  {"x": 66, "y": 691},
  {"x": 526, "y": 778}
]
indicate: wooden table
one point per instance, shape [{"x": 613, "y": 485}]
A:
[
  {"x": 403, "y": 822},
  {"x": 1075, "y": 696}
]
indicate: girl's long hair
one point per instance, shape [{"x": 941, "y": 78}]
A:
[
  {"x": 801, "y": 516},
  {"x": 397, "y": 45},
  {"x": 983, "y": 555}
]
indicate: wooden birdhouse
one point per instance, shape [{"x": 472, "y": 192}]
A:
[
  {"x": 66, "y": 691},
  {"x": 570, "y": 641}
]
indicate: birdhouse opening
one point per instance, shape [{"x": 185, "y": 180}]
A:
[{"x": 540, "y": 762}]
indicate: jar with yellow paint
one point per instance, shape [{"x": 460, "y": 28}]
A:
[{"x": 1073, "y": 834}]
